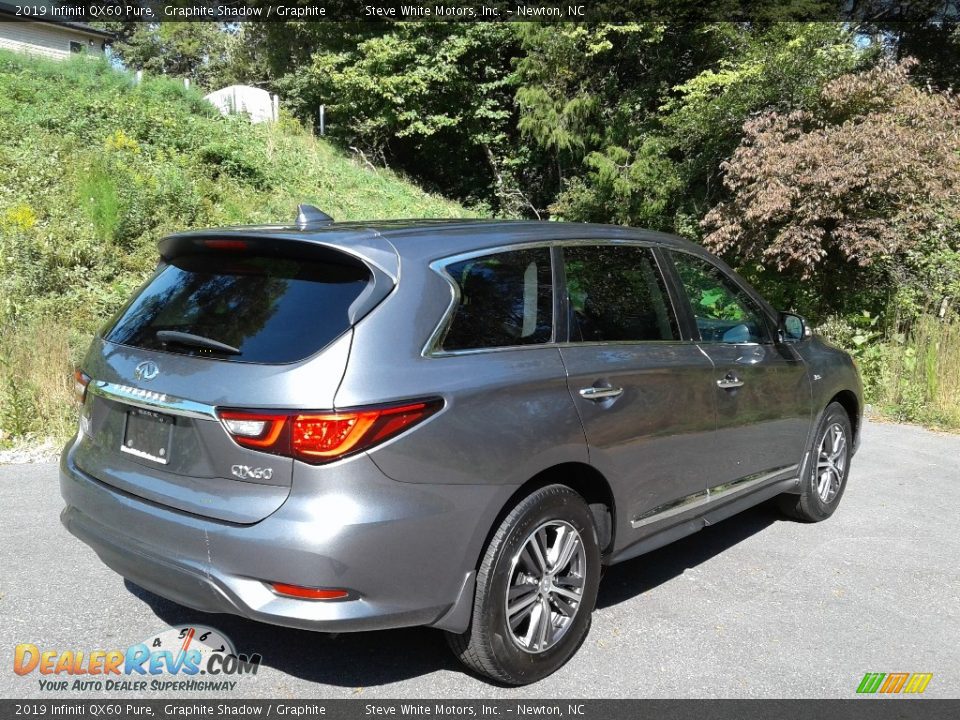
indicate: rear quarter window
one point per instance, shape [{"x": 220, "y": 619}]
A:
[
  {"x": 271, "y": 309},
  {"x": 505, "y": 300}
]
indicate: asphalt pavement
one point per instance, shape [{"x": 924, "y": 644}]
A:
[{"x": 753, "y": 607}]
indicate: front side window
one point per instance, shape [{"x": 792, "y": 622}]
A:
[
  {"x": 506, "y": 299},
  {"x": 723, "y": 311},
  {"x": 616, "y": 294}
]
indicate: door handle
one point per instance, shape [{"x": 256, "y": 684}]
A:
[
  {"x": 729, "y": 381},
  {"x": 600, "y": 393}
]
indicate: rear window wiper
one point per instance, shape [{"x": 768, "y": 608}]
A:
[{"x": 176, "y": 337}]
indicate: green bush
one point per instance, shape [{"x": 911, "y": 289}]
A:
[
  {"x": 98, "y": 198},
  {"x": 20, "y": 398},
  {"x": 911, "y": 371},
  {"x": 234, "y": 160}
]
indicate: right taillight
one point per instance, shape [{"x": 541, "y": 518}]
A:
[
  {"x": 324, "y": 437},
  {"x": 80, "y": 382}
]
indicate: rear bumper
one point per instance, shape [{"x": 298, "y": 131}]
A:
[{"x": 406, "y": 552}]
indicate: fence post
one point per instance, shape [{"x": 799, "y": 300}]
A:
[
  {"x": 138, "y": 78},
  {"x": 276, "y": 108},
  {"x": 186, "y": 83},
  {"x": 322, "y": 125}
]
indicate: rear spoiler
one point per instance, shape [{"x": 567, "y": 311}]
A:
[{"x": 368, "y": 250}]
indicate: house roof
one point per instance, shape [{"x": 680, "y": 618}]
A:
[{"x": 8, "y": 11}]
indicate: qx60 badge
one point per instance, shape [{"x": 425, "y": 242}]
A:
[
  {"x": 147, "y": 370},
  {"x": 245, "y": 472}
]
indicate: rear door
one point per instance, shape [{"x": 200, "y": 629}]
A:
[
  {"x": 492, "y": 357},
  {"x": 213, "y": 330},
  {"x": 761, "y": 387},
  {"x": 643, "y": 391}
]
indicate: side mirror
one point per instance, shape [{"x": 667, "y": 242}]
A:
[{"x": 793, "y": 328}]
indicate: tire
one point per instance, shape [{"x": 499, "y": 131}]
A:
[
  {"x": 820, "y": 492},
  {"x": 531, "y": 650}
]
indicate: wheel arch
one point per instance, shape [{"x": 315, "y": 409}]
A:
[
  {"x": 583, "y": 479},
  {"x": 850, "y": 403}
]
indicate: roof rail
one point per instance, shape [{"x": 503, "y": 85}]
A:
[{"x": 309, "y": 215}]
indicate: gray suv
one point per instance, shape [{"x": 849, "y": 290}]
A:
[{"x": 356, "y": 426}]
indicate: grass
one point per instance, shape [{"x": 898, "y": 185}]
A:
[
  {"x": 36, "y": 382},
  {"x": 95, "y": 169},
  {"x": 918, "y": 376}
]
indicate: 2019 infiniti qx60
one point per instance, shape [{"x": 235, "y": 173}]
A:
[{"x": 351, "y": 426}]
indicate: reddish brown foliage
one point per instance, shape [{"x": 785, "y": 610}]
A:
[{"x": 874, "y": 170}]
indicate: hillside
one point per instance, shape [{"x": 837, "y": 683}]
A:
[{"x": 94, "y": 169}]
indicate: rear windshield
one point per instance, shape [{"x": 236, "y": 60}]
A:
[{"x": 270, "y": 310}]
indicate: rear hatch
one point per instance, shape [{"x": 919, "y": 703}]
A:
[{"x": 223, "y": 323}]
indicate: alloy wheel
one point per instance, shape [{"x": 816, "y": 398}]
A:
[
  {"x": 831, "y": 462},
  {"x": 546, "y": 586}
]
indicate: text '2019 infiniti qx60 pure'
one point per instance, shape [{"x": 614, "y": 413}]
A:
[{"x": 355, "y": 426}]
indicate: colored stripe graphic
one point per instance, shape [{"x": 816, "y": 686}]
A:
[{"x": 894, "y": 683}]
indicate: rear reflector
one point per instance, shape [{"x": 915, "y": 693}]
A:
[
  {"x": 80, "y": 382},
  {"x": 307, "y": 593},
  {"x": 324, "y": 437}
]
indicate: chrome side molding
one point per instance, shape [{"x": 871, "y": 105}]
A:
[{"x": 705, "y": 497}]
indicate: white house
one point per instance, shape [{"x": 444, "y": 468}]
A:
[
  {"x": 254, "y": 102},
  {"x": 43, "y": 35}
]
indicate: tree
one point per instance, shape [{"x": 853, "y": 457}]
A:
[
  {"x": 587, "y": 99},
  {"x": 870, "y": 177},
  {"x": 200, "y": 51},
  {"x": 624, "y": 123},
  {"x": 434, "y": 99},
  {"x": 639, "y": 117}
]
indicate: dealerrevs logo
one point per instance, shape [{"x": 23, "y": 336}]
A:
[{"x": 187, "y": 658}]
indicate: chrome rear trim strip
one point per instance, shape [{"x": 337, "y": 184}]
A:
[
  {"x": 150, "y": 400},
  {"x": 705, "y": 497}
]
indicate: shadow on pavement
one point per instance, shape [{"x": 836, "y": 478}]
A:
[
  {"x": 635, "y": 577},
  {"x": 366, "y": 659},
  {"x": 377, "y": 658}
]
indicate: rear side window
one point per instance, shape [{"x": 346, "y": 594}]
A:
[
  {"x": 616, "y": 294},
  {"x": 271, "y": 310},
  {"x": 506, "y": 299}
]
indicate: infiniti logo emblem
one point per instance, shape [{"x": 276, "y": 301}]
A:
[{"x": 147, "y": 370}]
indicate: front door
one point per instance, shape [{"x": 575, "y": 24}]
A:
[{"x": 761, "y": 386}]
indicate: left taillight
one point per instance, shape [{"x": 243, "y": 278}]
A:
[
  {"x": 322, "y": 437},
  {"x": 80, "y": 382}
]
